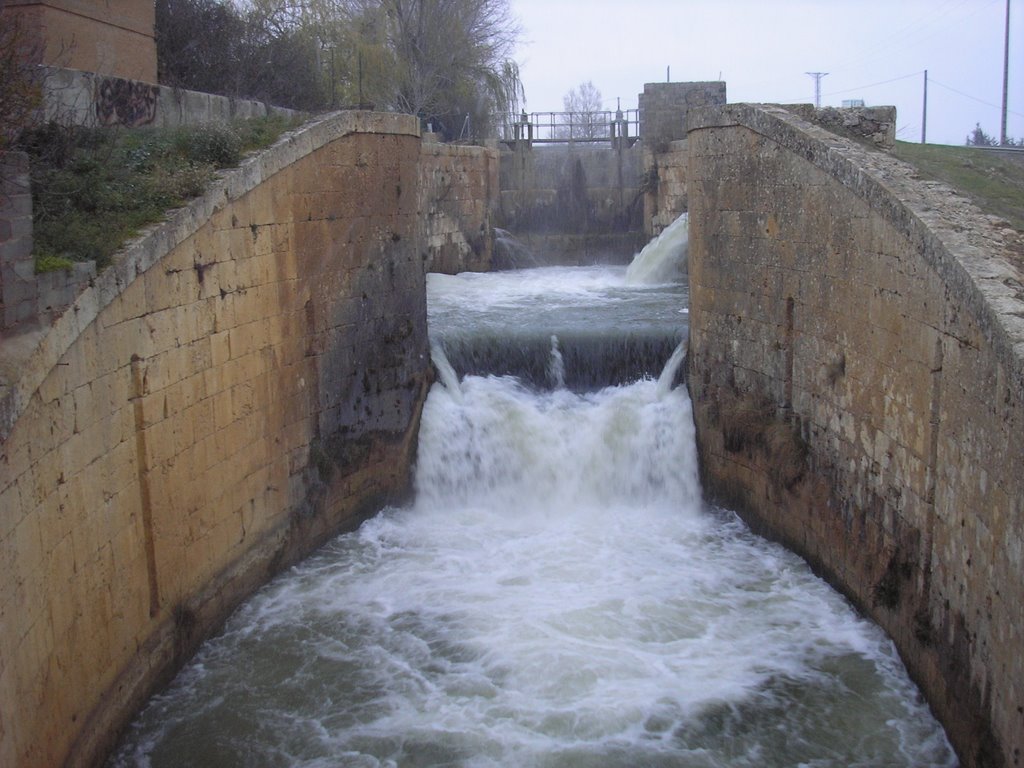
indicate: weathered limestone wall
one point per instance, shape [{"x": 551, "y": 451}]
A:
[
  {"x": 666, "y": 157},
  {"x": 856, "y": 364},
  {"x": 458, "y": 200},
  {"x": 243, "y": 383},
  {"x": 665, "y": 192},
  {"x": 663, "y": 111},
  {"x": 114, "y": 37},
  {"x": 664, "y": 106}
]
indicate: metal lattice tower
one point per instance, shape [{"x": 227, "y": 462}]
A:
[{"x": 817, "y": 87}]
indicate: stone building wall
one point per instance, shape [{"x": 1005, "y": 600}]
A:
[
  {"x": 113, "y": 37},
  {"x": 856, "y": 366},
  {"x": 244, "y": 382}
]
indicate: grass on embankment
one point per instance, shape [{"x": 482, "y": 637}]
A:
[
  {"x": 94, "y": 188},
  {"x": 994, "y": 182}
]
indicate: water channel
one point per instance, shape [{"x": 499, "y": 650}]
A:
[{"x": 557, "y": 594}]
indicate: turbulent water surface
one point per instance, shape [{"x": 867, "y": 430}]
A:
[{"x": 557, "y": 595}]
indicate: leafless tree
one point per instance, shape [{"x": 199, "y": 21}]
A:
[
  {"x": 446, "y": 61},
  {"x": 583, "y": 108},
  {"x": 453, "y": 61}
]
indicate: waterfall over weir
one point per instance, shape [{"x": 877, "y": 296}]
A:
[
  {"x": 604, "y": 330},
  {"x": 558, "y": 594}
]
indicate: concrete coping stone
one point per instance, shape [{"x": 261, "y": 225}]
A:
[
  {"x": 35, "y": 354},
  {"x": 977, "y": 255}
]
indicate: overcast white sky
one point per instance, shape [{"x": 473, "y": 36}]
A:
[{"x": 875, "y": 50}]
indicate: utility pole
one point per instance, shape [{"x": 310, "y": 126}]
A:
[
  {"x": 924, "y": 110},
  {"x": 1006, "y": 76},
  {"x": 817, "y": 87}
]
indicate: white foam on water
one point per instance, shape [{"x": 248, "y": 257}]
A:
[{"x": 663, "y": 259}]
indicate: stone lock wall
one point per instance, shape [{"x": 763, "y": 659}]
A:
[
  {"x": 663, "y": 111},
  {"x": 459, "y": 198},
  {"x": 573, "y": 203},
  {"x": 665, "y": 191},
  {"x": 243, "y": 383},
  {"x": 856, "y": 349}
]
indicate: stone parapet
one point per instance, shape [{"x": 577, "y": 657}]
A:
[
  {"x": 873, "y": 124},
  {"x": 856, "y": 353}
]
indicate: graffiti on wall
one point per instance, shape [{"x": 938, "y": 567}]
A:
[{"x": 125, "y": 102}]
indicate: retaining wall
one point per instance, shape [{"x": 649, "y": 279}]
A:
[
  {"x": 856, "y": 341},
  {"x": 76, "y": 97},
  {"x": 242, "y": 384}
]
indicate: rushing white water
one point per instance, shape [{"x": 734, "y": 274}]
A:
[
  {"x": 557, "y": 595},
  {"x": 556, "y": 365},
  {"x": 663, "y": 259},
  {"x": 608, "y": 332}
]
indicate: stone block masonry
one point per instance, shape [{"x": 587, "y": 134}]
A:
[
  {"x": 664, "y": 188},
  {"x": 663, "y": 111},
  {"x": 243, "y": 383},
  {"x": 856, "y": 367},
  {"x": 664, "y": 106}
]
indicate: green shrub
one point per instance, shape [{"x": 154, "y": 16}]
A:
[
  {"x": 93, "y": 189},
  {"x": 48, "y": 262},
  {"x": 216, "y": 144}
]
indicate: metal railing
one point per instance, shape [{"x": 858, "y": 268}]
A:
[{"x": 572, "y": 127}]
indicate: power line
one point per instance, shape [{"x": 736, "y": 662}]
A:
[
  {"x": 873, "y": 85},
  {"x": 861, "y": 87},
  {"x": 973, "y": 98}
]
